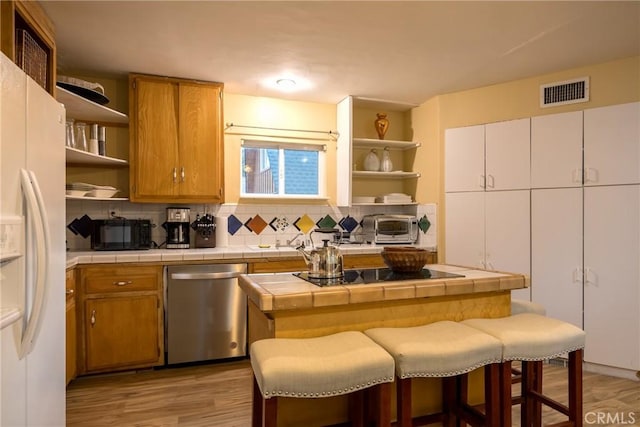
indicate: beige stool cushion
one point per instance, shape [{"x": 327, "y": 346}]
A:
[
  {"x": 519, "y": 306},
  {"x": 530, "y": 336},
  {"x": 441, "y": 349},
  {"x": 319, "y": 367}
]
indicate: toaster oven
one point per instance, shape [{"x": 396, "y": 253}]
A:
[{"x": 389, "y": 229}]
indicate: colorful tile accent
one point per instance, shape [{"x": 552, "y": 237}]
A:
[
  {"x": 233, "y": 224},
  {"x": 304, "y": 223},
  {"x": 326, "y": 222},
  {"x": 348, "y": 223},
  {"x": 279, "y": 223},
  {"x": 424, "y": 224},
  {"x": 256, "y": 224}
]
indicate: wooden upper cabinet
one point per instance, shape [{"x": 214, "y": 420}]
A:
[
  {"x": 27, "y": 37},
  {"x": 176, "y": 140}
]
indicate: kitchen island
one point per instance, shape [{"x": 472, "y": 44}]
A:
[{"x": 285, "y": 305}]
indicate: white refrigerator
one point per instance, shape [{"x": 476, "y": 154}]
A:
[{"x": 32, "y": 252}]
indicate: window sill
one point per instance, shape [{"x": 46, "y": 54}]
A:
[{"x": 282, "y": 199}]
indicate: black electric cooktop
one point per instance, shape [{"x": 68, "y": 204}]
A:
[{"x": 376, "y": 275}]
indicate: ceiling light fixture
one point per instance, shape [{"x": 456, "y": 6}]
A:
[{"x": 286, "y": 83}]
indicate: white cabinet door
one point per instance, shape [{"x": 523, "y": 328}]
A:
[
  {"x": 612, "y": 275},
  {"x": 507, "y": 234},
  {"x": 556, "y": 252},
  {"x": 612, "y": 145},
  {"x": 507, "y": 155},
  {"x": 464, "y": 159},
  {"x": 556, "y": 150},
  {"x": 344, "y": 152},
  {"x": 464, "y": 229}
]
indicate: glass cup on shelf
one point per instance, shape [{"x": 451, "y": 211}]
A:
[
  {"x": 70, "y": 137},
  {"x": 81, "y": 136}
]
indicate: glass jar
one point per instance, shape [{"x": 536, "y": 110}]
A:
[
  {"x": 81, "y": 136},
  {"x": 386, "y": 165},
  {"x": 69, "y": 135}
]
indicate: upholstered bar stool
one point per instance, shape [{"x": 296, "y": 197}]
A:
[
  {"x": 532, "y": 339},
  {"x": 448, "y": 350},
  {"x": 519, "y": 306},
  {"x": 342, "y": 363}
]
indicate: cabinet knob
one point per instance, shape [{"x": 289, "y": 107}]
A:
[
  {"x": 123, "y": 283},
  {"x": 70, "y": 292},
  {"x": 175, "y": 175},
  {"x": 93, "y": 318},
  {"x": 182, "y": 174}
]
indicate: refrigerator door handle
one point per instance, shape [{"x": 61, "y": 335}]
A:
[{"x": 38, "y": 216}]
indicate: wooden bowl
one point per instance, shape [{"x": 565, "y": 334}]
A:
[{"x": 404, "y": 259}]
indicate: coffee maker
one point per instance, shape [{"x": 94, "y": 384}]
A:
[{"x": 177, "y": 227}]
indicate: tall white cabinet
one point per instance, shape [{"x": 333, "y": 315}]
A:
[
  {"x": 487, "y": 181},
  {"x": 585, "y": 227}
]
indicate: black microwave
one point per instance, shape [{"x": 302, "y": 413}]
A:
[{"x": 120, "y": 234}]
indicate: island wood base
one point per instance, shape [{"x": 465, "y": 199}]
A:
[{"x": 320, "y": 321}]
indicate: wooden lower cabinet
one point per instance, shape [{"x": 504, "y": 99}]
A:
[
  {"x": 71, "y": 346},
  {"x": 122, "y": 324},
  {"x": 121, "y": 331}
]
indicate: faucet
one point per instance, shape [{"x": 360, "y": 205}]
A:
[{"x": 291, "y": 243}]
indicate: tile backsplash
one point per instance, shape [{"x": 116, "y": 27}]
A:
[{"x": 251, "y": 224}]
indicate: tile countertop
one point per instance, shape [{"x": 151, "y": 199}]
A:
[
  {"x": 284, "y": 291},
  {"x": 230, "y": 252}
]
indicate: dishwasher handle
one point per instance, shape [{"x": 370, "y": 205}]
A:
[{"x": 200, "y": 276}]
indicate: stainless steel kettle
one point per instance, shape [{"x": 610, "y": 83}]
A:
[{"x": 324, "y": 262}]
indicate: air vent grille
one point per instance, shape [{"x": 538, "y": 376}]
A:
[{"x": 566, "y": 92}]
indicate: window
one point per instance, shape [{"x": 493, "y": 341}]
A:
[{"x": 272, "y": 169}]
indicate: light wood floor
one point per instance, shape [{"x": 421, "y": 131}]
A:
[{"x": 219, "y": 395}]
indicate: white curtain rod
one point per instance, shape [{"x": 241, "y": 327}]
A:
[{"x": 331, "y": 133}]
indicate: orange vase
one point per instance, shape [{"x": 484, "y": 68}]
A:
[{"x": 382, "y": 124}]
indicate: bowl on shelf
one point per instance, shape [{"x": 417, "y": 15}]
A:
[
  {"x": 102, "y": 193},
  {"x": 76, "y": 193},
  {"x": 404, "y": 259}
]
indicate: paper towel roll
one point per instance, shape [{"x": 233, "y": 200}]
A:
[{"x": 222, "y": 232}]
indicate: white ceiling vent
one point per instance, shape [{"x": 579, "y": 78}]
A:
[{"x": 566, "y": 92}]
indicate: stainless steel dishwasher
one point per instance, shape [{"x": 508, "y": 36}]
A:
[{"x": 205, "y": 313}]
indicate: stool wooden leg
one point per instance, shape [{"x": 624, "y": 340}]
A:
[
  {"x": 505, "y": 394},
  {"x": 492, "y": 394},
  {"x": 463, "y": 395},
  {"x": 257, "y": 406},
  {"x": 403, "y": 402},
  {"x": 537, "y": 384},
  {"x": 271, "y": 412},
  {"x": 356, "y": 408},
  {"x": 449, "y": 401},
  {"x": 575, "y": 387},
  {"x": 384, "y": 404}
]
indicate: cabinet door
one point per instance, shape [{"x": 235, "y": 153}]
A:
[
  {"x": 121, "y": 331},
  {"x": 612, "y": 145},
  {"x": 556, "y": 150},
  {"x": 612, "y": 275},
  {"x": 344, "y": 152},
  {"x": 507, "y": 155},
  {"x": 507, "y": 234},
  {"x": 71, "y": 365},
  {"x": 464, "y": 159},
  {"x": 200, "y": 142},
  {"x": 154, "y": 144},
  {"x": 556, "y": 252},
  {"x": 465, "y": 229}
]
